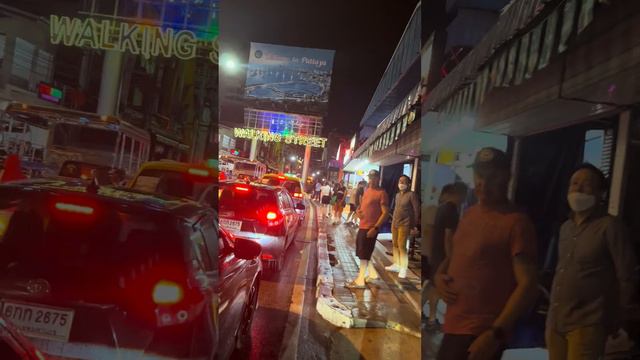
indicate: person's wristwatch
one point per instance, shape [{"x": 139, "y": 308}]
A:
[{"x": 498, "y": 333}]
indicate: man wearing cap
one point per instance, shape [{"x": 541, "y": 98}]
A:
[
  {"x": 489, "y": 279},
  {"x": 373, "y": 212},
  {"x": 596, "y": 280}
]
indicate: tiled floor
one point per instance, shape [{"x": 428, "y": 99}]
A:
[{"x": 386, "y": 302}]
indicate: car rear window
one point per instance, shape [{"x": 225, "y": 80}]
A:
[
  {"x": 172, "y": 183},
  {"x": 73, "y": 241},
  {"x": 250, "y": 200},
  {"x": 291, "y": 186}
]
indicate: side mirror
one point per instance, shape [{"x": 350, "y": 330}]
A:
[
  {"x": 300, "y": 206},
  {"x": 246, "y": 249}
]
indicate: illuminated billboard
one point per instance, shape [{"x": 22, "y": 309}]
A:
[
  {"x": 291, "y": 79},
  {"x": 269, "y": 126}
]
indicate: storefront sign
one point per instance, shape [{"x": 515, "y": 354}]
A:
[
  {"x": 262, "y": 135},
  {"x": 144, "y": 40},
  {"x": 49, "y": 93}
]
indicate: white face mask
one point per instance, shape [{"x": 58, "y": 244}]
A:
[
  {"x": 580, "y": 201},
  {"x": 403, "y": 187}
]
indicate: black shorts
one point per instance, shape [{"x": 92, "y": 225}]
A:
[
  {"x": 326, "y": 200},
  {"x": 364, "y": 245},
  {"x": 426, "y": 269},
  {"x": 456, "y": 347}
]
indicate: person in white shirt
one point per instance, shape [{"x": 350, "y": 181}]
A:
[
  {"x": 316, "y": 193},
  {"x": 325, "y": 196}
]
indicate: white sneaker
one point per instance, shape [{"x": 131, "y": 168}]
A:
[
  {"x": 392, "y": 268},
  {"x": 402, "y": 274}
]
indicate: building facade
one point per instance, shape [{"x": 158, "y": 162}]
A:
[{"x": 389, "y": 136}]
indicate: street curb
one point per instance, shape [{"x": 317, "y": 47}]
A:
[
  {"x": 326, "y": 304},
  {"x": 333, "y": 310}
]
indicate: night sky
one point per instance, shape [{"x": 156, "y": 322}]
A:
[{"x": 364, "y": 35}]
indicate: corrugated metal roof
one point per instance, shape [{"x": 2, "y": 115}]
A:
[
  {"x": 405, "y": 61},
  {"x": 514, "y": 18}
]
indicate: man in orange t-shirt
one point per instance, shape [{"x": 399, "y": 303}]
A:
[
  {"x": 489, "y": 279},
  {"x": 373, "y": 213}
]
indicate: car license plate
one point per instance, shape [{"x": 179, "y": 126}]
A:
[
  {"x": 39, "y": 321},
  {"x": 233, "y": 225}
]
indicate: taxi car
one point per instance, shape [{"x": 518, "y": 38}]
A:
[{"x": 292, "y": 184}]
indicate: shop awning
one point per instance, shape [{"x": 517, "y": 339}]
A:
[{"x": 516, "y": 17}]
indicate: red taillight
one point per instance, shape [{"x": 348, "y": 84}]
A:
[
  {"x": 267, "y": 257},
  {"x": 272, "y": 217},
  {"x": 242, "y": 188},
  {"x": 167, "y": 293},
  {"x": 297, "y": 195},
  {"x": 74, "y": 208}
]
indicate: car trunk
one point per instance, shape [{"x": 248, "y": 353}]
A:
[
  {"x": 246, "y": 209},
  {"x": 72, "y": 267}
]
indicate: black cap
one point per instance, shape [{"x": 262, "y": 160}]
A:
[{"x": 490, "y": 158}]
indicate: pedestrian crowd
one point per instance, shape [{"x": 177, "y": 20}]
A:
[
  {"x": 483, "y": 266},
  {"x": 480, "y": 258}
]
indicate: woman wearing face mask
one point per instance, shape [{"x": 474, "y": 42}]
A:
[{"x": 406, "y": 217}]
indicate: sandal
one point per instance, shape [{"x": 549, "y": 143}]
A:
[{"x": 354, "y": 285}]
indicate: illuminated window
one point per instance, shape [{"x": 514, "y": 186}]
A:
[
  {"x": 598, "y": 149},
  {"x": 43, "y": 70},
  {"x": 22, "y": 60}
]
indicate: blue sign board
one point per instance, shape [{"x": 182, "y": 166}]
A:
[{"x": 291, "y": 79}]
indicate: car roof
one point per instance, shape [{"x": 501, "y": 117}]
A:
[
  {"x": 286, "y": 177},
  {"x": 176, "y": 166},
  {"x": 119, "y": 197},
  {"x": 253, "y": 184}
]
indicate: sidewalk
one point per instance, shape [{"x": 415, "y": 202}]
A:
[{"x": 388, "y": 302}]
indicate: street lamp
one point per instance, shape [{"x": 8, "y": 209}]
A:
[
  {"x": 293, "y": 158},
  {"x": 229, "y": 63}
]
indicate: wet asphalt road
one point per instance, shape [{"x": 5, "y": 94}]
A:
[{"x": 276, "y": 290}]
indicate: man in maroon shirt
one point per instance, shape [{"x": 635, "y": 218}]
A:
[{"x": 489, "y": 279}]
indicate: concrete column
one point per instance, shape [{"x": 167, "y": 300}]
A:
[
  {"x": 515, "y": 165},
  {"x": 430, "y": 169},
  {"x": 254, "y": 150},
  {"x": 305, "y": 164},
  {"x": 110, "y": 83},
  {"x": 414, "y": 176},
  {"x": 83, "y": 78},
  {"x": 618, "y": 178}
]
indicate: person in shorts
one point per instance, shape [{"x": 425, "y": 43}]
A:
[
  {"x": 373, "y": 213},
  {"x": 353, "y": 193},
  {"x": 338, "y": 207},
  {"x": 316, "y": 192},
  {"x": 325, "y": 198}
]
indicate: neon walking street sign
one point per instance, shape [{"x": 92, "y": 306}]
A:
[
  {"x": 138, "y": 39},
  {"x": 266, "y": 136}
]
